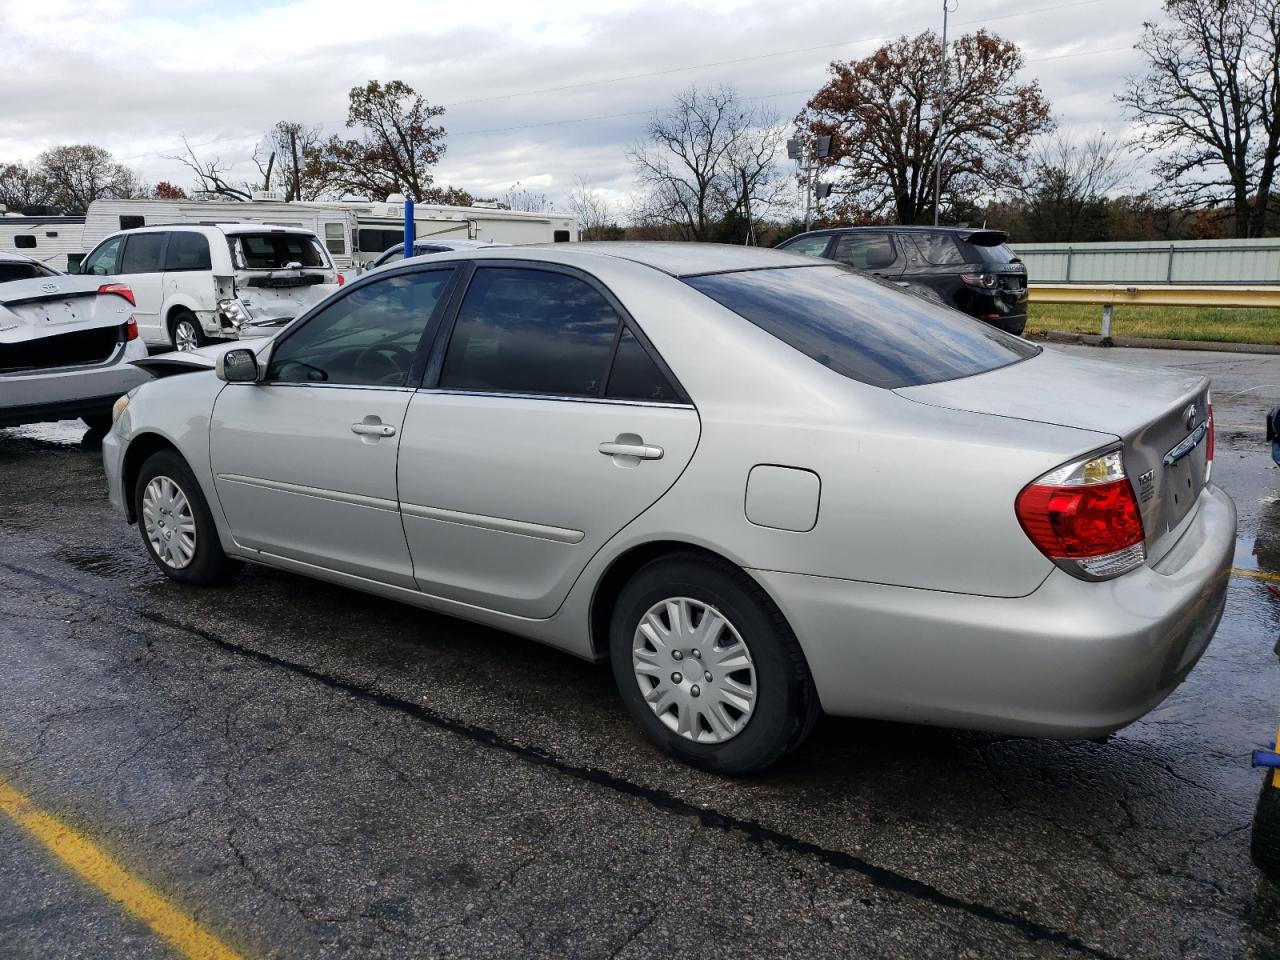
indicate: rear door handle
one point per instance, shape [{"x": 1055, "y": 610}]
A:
[
  {"x": 641, "y": 451},
  {"x": 373, "y": 429}
]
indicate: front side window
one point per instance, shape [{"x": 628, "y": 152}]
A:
[
  {"x": 530, "y": 331},
  {"x": 275, "y": 251},
  {"x": 864, "y": 251},
  {"x": 937, "y": 249},
  {"x": 864, "y": 328},
  {"x": 142, "y": 253},
  {"x": 105, "y": 260},
  {"x": 808, "y": 246},
  {"x": 187, "y": 251},
  {"x": 367, "y": 338}
]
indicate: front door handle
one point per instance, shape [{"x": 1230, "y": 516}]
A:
[
  {"x": 639, "y": 450},
  {"x": 373, "y": 427}
]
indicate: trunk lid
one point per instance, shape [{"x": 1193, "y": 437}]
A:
[
  {"x": 1159, "y": 415},
  {"x": 59, "y": 321}
]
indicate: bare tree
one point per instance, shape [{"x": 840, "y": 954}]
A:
[
  {"x": 1065, "y": 194},
  {"x": 589, "y": 205},
  {"x": 1209, "y": 102},
  {"x": 78, "y": 174},
  {"x": 287, "y": 159},
  {"x": 519, "y": 197},
  {"x": 213, "y": 175},
  {"x": 701, "y": 160},
  {"x": 754, "y": 184}
]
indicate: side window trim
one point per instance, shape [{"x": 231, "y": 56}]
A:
[
  {"x": 421, "y": 352},
  {"x": 444, "y": 333}
]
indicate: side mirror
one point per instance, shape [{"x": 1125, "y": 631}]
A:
[{"x": 237, "y": 366}]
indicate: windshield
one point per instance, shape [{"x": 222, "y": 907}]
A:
[
  {"x": 275, "y": 251},
  {"x": 20, "y": 270},
  {"x": 863, "y": 328}
]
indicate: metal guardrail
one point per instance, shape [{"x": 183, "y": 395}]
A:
[{"x": 1107, "y": 295}]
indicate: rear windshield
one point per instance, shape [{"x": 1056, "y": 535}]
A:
[
  {"x": 11, "y": 270},
  {"x": 275, "y": 251},
  {"x": 986, "y": 253},
  {"x": 865, "y": 329}
]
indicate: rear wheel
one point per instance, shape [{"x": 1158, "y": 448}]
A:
[
  {"x": 176, "y": 525},
  {"x": 708, "y": 667},
  {"x": 185, "y": 332}
]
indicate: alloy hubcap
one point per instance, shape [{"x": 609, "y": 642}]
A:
[
  {"x": 168, "y": 523},
  {"x": 694, "y": 670},
  {"x": 184, "y": 336}
]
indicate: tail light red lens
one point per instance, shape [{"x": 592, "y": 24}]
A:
[
  {"x": 131, "y": 331},
  {"x": 342, "y": 278},
  {"x": 119, "y": 290},
  {"x": 1085, "y": 518},
  {"x": 985, "y": 280},
  {"x": 1208, "y": 455}
]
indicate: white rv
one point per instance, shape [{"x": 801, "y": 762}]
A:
[
  {"x": 353, "y": 231},
  {"x": 47, "y": 239}
]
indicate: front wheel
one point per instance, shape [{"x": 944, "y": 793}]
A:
[
  {"x": 708, "y": 666},
  {"x": 186, "y": 333},
  {"x": 176, "y": 525}
]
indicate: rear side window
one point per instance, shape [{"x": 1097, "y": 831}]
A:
[
  {"x": 863, "y": 328},
  {"x": 635, "y": 375},
  {"x": 142, "y": 253},
  {"x": 936, "y": 249},
  {"x": 275, "y": 251},
  {"x": 187, "y": 251},
  {"x": 530, "y": 331},
  {"x": 866, "y": 251}
]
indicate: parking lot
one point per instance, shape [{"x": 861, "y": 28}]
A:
[{"x": 300, "y": 770}]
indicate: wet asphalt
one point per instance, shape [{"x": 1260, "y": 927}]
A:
[{"x": 312, "y": 772}]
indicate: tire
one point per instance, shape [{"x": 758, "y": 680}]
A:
[
  {"x": 185, "y": 332},
  {"x": 97, "y": 422},
  {"x": 195, "y": 556},
  {"x": 1264, "y": 848},
  {"x": 708, "y": 728}
]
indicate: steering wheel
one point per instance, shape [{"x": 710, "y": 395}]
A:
[{"x": 386, "y": 356}]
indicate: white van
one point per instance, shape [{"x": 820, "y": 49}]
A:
[{"x": 195, "y": 283}]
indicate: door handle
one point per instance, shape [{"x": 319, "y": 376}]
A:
[
  {"x": 373, "y": 429},
  {"x": 641, "y": 451}
]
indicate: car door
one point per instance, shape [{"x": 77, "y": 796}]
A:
[
  {"x": 547, "y": 424},
  {"x": 304, "y": 462},
  {"x": 141, "y": 266}
]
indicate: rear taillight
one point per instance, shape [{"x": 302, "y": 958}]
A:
[
  {"x": 131, "y": 330},
  {"x": 119, "y": 290},
  {"x": 1084, "y": 517},
  {"x": 984, "y": 280},
  {"x": 1208, "y": 454},
  {"x": 342, "y": 278}
]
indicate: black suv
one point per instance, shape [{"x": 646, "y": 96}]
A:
[{"x": 970, "y": 269}]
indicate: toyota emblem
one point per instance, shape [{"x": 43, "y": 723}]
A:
[{"x": 49, "y": 287}]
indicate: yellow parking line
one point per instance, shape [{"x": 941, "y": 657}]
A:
[
  {"x": 183, "y": 932},
  {"x": 1255, "y": 574}
]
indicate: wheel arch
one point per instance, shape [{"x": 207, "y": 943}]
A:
[
  {"x": 140, "y": 449},
  {"x": 176, "y": 307},
  {"x": 623, "y": 567}
]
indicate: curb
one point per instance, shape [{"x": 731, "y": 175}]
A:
[{"x": 1153, "y": 343}]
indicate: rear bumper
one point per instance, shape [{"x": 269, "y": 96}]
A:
[
  {"x": 1071, "y": 659},
  {"x": 70, "y": 391}
]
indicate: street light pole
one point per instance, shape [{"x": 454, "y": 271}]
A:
[{"x": 947, "y": 7}]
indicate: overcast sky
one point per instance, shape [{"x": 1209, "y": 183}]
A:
[{"x": 135, "y": 77}]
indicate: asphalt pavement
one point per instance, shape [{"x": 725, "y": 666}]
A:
[{"x": 304, "y": 771}]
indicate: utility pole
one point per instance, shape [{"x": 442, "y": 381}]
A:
[
  {"x": 948, "y": 6},
  {"x": 809, "y": 151}
]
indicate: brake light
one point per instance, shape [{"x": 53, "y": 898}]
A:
[
  {"x": 984, "y": 280},
  {"x": 131, "y": 330},
  {"x": 342, "y": 278},
  {"x": 1085, "y": 518},
  {"x": 1209, "y": 450},
  {"x": 119, "y": 290}
]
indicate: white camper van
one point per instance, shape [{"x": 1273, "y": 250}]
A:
[{"x": 50, "y": 240}]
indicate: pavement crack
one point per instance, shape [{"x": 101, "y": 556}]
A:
[{"x": 883, "y": 877}]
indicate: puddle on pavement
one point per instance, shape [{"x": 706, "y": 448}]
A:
[
  {"x": 101, "y": 564},
  {"x": 57, "y": 433}
]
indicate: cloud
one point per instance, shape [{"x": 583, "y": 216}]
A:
[{"x": 136, "y": 77}]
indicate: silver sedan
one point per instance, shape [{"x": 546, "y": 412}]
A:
[{"x": 760, "y": 486}]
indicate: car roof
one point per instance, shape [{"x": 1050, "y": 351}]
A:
[
  {"x": 17, "y": 257},
  {"x": 231, "y": 229},
  {"x": 906, "y": 228},
  {"x": 676, "y": 258},
  {"x": 453, "y": 244}
]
